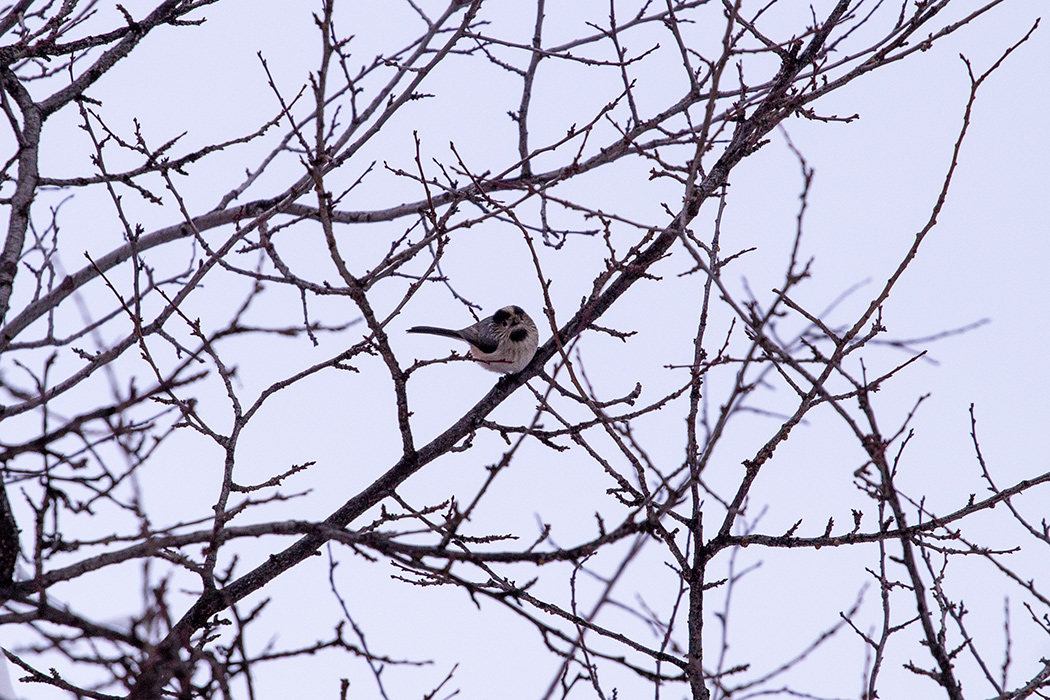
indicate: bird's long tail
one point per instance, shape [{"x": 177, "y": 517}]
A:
[{"x": 436, "y": 331}]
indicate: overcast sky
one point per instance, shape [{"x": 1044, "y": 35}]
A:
[{"x": 876, "y": 180}]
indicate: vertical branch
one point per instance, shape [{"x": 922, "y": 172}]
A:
[
  {"x": 320, "y": 162},
  {"x": 25, "y": 186},
  {"x": 526, "y": 91}
]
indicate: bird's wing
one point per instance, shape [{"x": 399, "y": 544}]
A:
[{"x": 485, "y": 342}]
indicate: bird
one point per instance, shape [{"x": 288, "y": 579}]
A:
[{"x": 504, "y": 342}]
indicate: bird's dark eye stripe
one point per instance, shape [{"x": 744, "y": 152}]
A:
[
  {"x": 518, "y": 311},
  {"x": 500, "y": 316},
  {"x": 518, "y": 334}
]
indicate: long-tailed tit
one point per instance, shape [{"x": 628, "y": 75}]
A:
[{"x": 504, "y": 342}]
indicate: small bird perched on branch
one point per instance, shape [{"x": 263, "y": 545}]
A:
[{"x": 504, "y": 342}]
